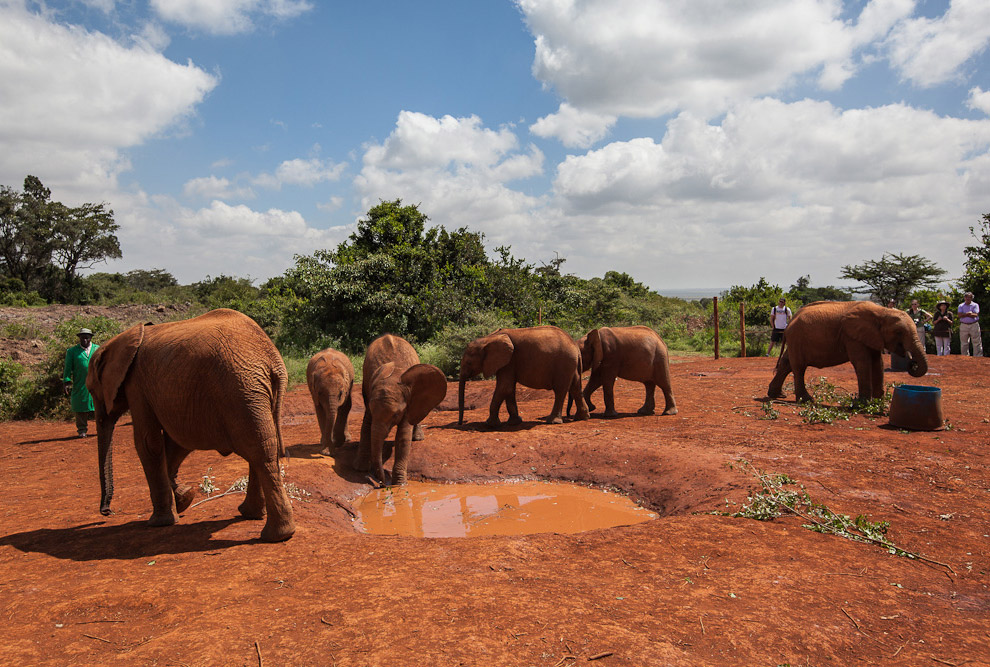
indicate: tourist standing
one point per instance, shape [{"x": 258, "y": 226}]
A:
[
  {"x": 942, "y": 328},
  {"x": 969, "y": 326},
  {"x": 76, "y": 366},
  {"x": 780, "y": 315}
]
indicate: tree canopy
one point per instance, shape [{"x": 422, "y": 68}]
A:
[
  {"x": 44, "y": 243},
  {"x": 976, "y": 269},
  {"x": 893, "y": 276}
]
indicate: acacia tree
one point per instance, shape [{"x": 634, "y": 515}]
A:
[
  {"x": 893, "y": 276},
  {"x": 44, "y": 243}
]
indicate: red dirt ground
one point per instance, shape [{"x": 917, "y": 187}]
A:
[{"x": 689, "y": 588}]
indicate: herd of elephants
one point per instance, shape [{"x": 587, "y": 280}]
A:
[{"x": 216, "y": 382}]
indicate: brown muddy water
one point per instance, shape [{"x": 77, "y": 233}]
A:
[{"x": 506, "y": 508}]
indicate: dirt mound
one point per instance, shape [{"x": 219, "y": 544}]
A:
[{"x": 687, "y": 588}]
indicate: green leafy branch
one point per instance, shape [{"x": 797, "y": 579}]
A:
[{"x": 773, "y": 499}]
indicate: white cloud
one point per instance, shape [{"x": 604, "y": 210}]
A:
[
  {"x": 647, "y": 59},
  {"x": 930, "y": 51},
  {"x": 457, "y": 170},
  {"x": 71, "y": 99},
  {"x": 979, "y": 99},
  {"x": 573, "y": 127},
  {"x": 213, "y": 187},
  {"x": 217, "y": 239},
  {"x": 774, "y": 186},
  {"x": 227, "y": 17},
  {"x": 301, "y": 172}
]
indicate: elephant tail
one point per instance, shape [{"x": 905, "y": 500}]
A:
[
  {"x": 279, "y": 384},
  {"x": 783, "y": 346}
]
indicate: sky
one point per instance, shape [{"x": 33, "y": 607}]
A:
[{"x": 689, "y": 143}]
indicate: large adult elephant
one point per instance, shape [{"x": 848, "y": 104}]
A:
[
  {"x": 631, "y": 353},
  {"x": 542, "y": 357},
  {"x": 330, "y": 378},
  {"x": 398, "y": 392},
  {"x": 829, "y": 333},
  {"x": 212, "y": 382}
]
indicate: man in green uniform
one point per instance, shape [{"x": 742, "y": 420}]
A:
[{"x": 76, "y": 366}]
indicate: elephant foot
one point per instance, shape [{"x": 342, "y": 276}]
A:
[
  {"x": 772, "y": 394},
  {"x": 492, "y": 423},
  {"x": 251, "y": 510},
  {"x": 163, "y": 519},
  {"x": 278, "y": 531},
  {"x": 184, "y": 495},
  {"x": 806, "y": 398},
  {"x": 417, "y": 433},
  {"x": 611, "y": 414},
  {"x": 513, "y": 420},
  {"x": 648, "y": 411},
  {"x": 591, "y": 406},
  {"x": 555, "y": 420},
  {"x": 581, "y": 416},
  {"x": 670, "y": 411}
]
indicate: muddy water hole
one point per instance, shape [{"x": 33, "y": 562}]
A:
[{"x": 687, "y": 586}]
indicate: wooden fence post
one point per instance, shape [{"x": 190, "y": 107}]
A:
[
  {"x": 742, "y": 328},
  {"x": 715, "y": 304}
]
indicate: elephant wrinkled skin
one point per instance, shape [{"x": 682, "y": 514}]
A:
[
  {"x": 631, "y": 353},
  {"x": 542, "y": 357},
  {"x": 212, "y": 382},
  {"x": 330, "y": 378},
  {"x": 399, "y": 392},
  {"x": 829, "y": 333}
]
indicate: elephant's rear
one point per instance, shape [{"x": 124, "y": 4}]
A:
[{"x": 234, "y": 372}]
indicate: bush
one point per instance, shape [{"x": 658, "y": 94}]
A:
[
  {"x": 40, "y": 393},
  {"x": 446, "y": 348}
]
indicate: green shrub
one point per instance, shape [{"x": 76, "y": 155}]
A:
[{"x": 446, "y": 348}]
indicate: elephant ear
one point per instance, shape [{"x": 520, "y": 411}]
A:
[
  {"x": 427, "y": 387},
  {"x": 597, "y": 352},
  {"x": 863, "y": 324},
  {"x": 383, "y": 372},
  {"x": 498, "y": 353},
  {"x": 110, "y": 365}
]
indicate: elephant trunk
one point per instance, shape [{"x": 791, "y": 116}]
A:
[
  {"x": 460, "y": 400},
  {"x": 104, "y": 432},
  {"x": 919, "y": 362}
]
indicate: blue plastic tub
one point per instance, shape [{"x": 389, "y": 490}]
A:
[{"x": 917, "y": 408}]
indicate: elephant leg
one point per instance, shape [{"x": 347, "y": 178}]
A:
[
  {"x": 280, "y": 526},
  {"x": 505, "y": 387},
  {"x": 608, "y": 390},
  {"x": 574, "y": 394},
  {"x": 339, "y": 437},
  {"x": 800, "y": 389},
  {"x": 776, "y": 389},
  {"x": 669, "y": 404},
  {"x": 512, "y": 407},
  {"x": 149, "y": 440},
  {"x": 175, "y": 454},
  {"x": 362, "y": 457},
  {"x": 594, "y": 382},
  {"x": 400, "y": 464},
  {"x": 321, "y": 419},
  {"x": 649, "y": 402},
  {"x": 876, "y": 376},
  {"x": 379, "y": 432},
  {"x": 253, "y": 505},
  {"x": 863, "y": 360}
]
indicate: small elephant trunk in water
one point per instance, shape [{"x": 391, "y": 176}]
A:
[
  {"x": 460, "y": 401},
  {"x": 105, "y": 445}
]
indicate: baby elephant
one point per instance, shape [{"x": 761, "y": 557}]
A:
[
  {"x": 398, "y": 391},
  {"x": 330, "y": 376},
  {"x": 630, "y": 353}
]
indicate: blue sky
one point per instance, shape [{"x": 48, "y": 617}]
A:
[{"x": 690, "y": 143}]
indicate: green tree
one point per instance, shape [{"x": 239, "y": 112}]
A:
[
  {"x": 976, "y": 269},
  {"x": 759, "y": 299},
  {"x": 44, "y": 243},
  {"x": 802, "y": 292},
  {"x": 893, "y": 276}
]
